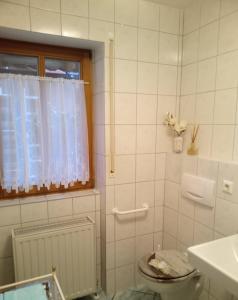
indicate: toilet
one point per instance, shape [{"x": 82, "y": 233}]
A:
[{"x": 183, "y": 283}]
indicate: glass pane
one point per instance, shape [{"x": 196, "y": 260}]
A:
[
  {"x": 62, "y": 68},
  {"x": 18, "y": 64}
]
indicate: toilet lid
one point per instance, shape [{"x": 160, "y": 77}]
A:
[{"x": 177, "y": 261}]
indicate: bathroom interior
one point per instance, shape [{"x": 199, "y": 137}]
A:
[{"x": 119, "y": 149}]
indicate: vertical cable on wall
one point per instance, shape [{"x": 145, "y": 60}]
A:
[{"x": 112, "y": 108}]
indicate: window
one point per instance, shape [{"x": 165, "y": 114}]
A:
[{"x": 40, "y": 61}]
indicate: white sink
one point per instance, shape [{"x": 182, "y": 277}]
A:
[{"x": 219, "y": 261}]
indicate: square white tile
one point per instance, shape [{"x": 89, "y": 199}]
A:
[
  {"x": 125, "y": 76},
  {"x": 45, "y": 21},
  {"x": 145, "y": 222},
  {"x": 126, "y": 12},
  {"x": 168, "y": 49},
  {"x": 164, "y": 139},
  {"x": 102, "y": 10},
  {"x": 60, "y": 207},
  {"x": 84, "y": 204},
  {"x": 189, "y": 79},
  {"x": 125, "y": 42},
  {"x": 125, "y": 166},
  {"x": 145, "y": 167},
  {"x": 228, "y": 6},
  {"x": 208, "y": 41},
  {"x": 125, "y": 252},
  {"x": 34, "y": 211},
  {"x": 205, "y": 108},
  {"x": 185, "y": 230},
  {"x": 225, "y": 107},
  {"x": 146, "y": 109},
  {"x": 148, "y": 42},
  {"x": 170, "y": 222},
  {"x": 125, "y": 196},
  {"x": 147, "y": 78},
  {"x": 190, "y": 47},
  {"x": 160, "y": 166},
  {"x": 165, "y": 104},
  {"x": 227, "y": 70},
  {"x": 74, "y": 26},
  {"x": 222, "y": 145},
  {"x": 53, "y": 5},
  {"x": 209, "y": 11},
  {"x": 148, "y": 15},
  {"x": 100, "y": 30},
  {"x": 171, "y": 194},
  {"x": 167, "y": 80},
  {"x": 228, "y": 33},
  {"x": 125, "y": 139},
  {"x": 125, "y": 112},
  {"x": 145, "y": 139},
  {"x": 125, "y": 227},
  {"x": 206, "y": 75},
  {"x": 169, "y": 19},
  {"x": 75, "y": 7},
  {"x": 145, "y": 193}
]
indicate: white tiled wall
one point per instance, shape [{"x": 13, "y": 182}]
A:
[
  {"x": 147, "y": 70},
  {"x": 149, "y": 39},
  {"x": 209, "y": 75},
  {"x": 42, "y": 210},
  {"x": 209, "y": 97},
  {"x": 187, "y": 223}
]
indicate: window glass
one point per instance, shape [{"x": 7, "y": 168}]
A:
[
  {"x": 44, "y": 61},
  {"x": 18, "y": 64},
  {"x": 59, "y": 68}
]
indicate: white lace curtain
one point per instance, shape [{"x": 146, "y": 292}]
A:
[{"x": 43, "y": 132}]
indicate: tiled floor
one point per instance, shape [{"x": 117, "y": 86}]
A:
[
  {"x": 130, "y": 294},
  {"x": 136, "y": 294}
]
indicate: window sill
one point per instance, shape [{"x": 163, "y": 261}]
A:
[{"x": 56, "y": 196}]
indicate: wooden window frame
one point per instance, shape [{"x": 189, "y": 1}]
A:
[{"x": 43, "y": 51}]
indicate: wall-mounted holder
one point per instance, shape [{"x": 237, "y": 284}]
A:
[
  {"x": 178, "y": 144},
  {"x": 144, "y": 208}
]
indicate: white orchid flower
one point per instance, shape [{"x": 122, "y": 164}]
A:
[
  {"x": 172, "y": 121},
  {"x": 183, "y": 124},
  {"x": 177, "y": 127}
]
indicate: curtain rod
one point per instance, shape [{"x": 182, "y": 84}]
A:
[{"x": 43, "y": 78}]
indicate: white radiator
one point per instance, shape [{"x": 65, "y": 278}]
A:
[{"x": 69, "y": 247}]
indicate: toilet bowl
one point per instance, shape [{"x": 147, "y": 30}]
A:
[{"x": 184, "y": 284}]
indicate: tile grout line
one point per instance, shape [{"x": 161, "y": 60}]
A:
[
  {"x": 136, "y": 138},
  {"x": 215, "y": 83},
  {"x": 156, "y": 133},
  {"x": 114, "y": 184}
]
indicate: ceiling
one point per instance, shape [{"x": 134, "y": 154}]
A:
[{"x": 174, "y": 3}]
